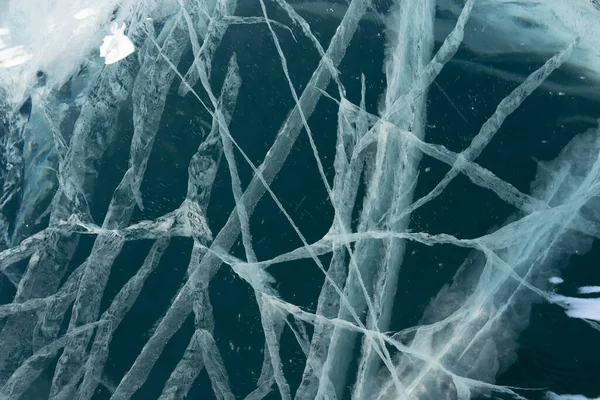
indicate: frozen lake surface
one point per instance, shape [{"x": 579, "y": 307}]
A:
[{"x": 263, "y": 199}]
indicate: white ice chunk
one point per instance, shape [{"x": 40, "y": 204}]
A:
[{"x": 116, "y": 46}]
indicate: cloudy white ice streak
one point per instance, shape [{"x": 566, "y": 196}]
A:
[
  {"x": 48, "y": 265},
  {"x": 149, "y": 95},
  {"x": 393, "y": 171},
  {"x": 112, "y": 317},
  {"x": 467, "y": 333},
  {"x": 287, "y": 135}
]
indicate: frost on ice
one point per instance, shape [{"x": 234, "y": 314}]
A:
[
  {"x": 11, "y": 56},
  {"x": 240, "y": 209}
]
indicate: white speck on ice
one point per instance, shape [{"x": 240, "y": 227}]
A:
[
  {"x": 116, "y": 46},
  {"x": 555, "y": 280}
]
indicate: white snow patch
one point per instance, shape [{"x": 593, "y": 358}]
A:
[
  {"x": 554, "y": 396},
  {"x": 579, "y": 308},
  {"x": 588, "y": 289}
]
